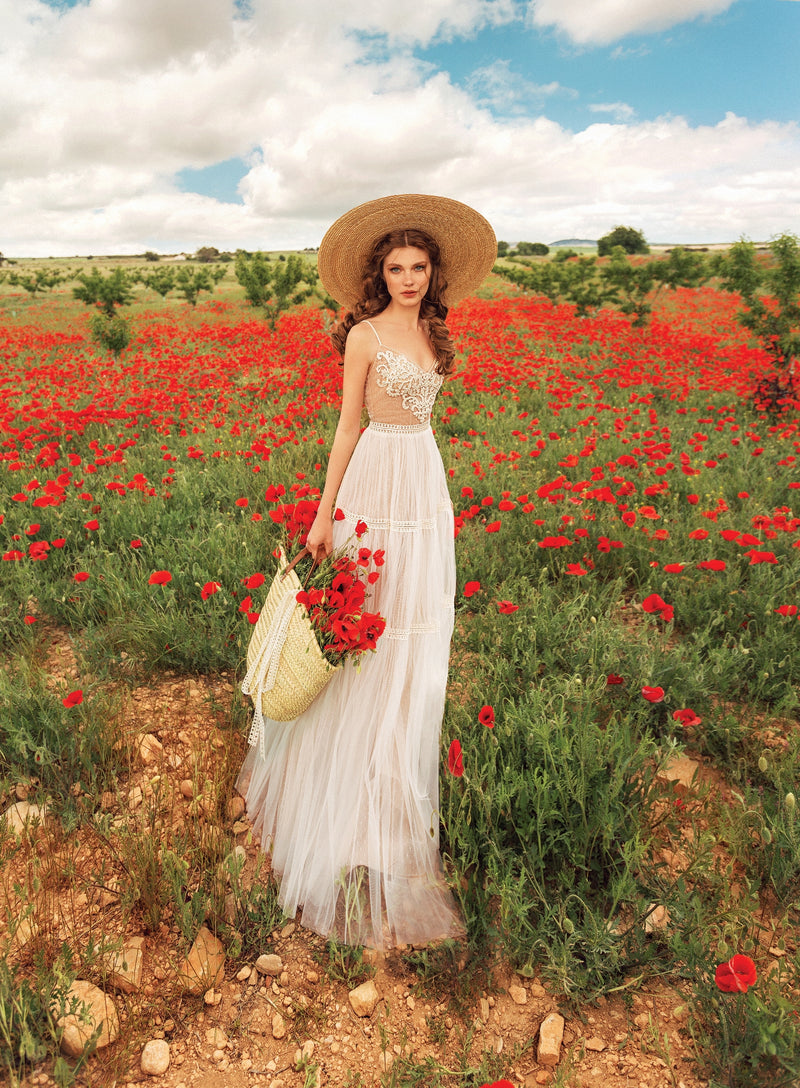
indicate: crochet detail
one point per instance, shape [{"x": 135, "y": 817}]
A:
[{"x": 399, "y": 377}]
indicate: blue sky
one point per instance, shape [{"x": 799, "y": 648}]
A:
[{"x": 169, "y": 124}]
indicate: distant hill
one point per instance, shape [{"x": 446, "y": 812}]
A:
[{"x": 564, "y": 242}]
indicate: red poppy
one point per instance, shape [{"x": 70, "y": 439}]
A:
[
  {"x": 93, "y": 524},
  {"x": 613, "y": 679},
  {"x": 486, "y": 716},
  {"x": 135, "y": 543},
  {"x": 712, "y": 564},
  {"x": 159, "y": 578},
  {"x": 338, "y": 515},
  {"x": 209, "y": 589},
  {"x": 361, "y": 528},
  {"x": 254, "y": 581},
  {"x": 242, "y": 502},
  {"x": 455, "y": 759},
  {"x": 787, "y": 610},
  {"x": 75, "y": 698},
  {"x": 471, "y": 588},
  {"x": 687, "y": 718},
  {"x": 493, "y": 527},
  {"x": 29, "y": 620},
  {"x": 653, "y": 694},
  {"x": 673, "y": 568},
  {"x": 655, "y": 603},
  {"x": 737, "y": 975},
  {"x": 81, "y": 576},
  {"x": 576, "y": 569},
  {"x": 507, "y": 607},
  {"x": 757, "y": 557}
]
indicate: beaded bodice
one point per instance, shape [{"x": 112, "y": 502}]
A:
[{"x": 397, "y": 390}]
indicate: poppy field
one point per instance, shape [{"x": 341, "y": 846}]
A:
[{"x": 628, "y": 549}]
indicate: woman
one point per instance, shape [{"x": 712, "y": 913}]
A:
[{"x": 346, "y": 796}]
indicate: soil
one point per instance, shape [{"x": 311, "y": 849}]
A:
[{"x": 227, "y": 1037}]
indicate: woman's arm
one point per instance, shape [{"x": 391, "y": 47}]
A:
[{"x": 359, "y": 352}]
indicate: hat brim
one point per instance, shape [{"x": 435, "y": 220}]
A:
[{"x": 467, "y": 243}]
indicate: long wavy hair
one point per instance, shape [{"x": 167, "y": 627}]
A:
[{"x": 375, "y": 295}]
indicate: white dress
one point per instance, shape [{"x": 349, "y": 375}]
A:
[{"x": 345, "y": 798}]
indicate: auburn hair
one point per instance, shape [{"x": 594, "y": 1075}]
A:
[{"x": 375, "y": 295}]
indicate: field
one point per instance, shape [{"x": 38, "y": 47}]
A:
[{"x": 625, "y": 696}]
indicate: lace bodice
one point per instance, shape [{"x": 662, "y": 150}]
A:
[{"x": 398, "y": 391}]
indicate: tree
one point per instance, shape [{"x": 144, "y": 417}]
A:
[
  {"x": 161, "y": 280},
  {"x": 274, "y": 287},
  {"x": 631, "y": 240},
  {"x": 191, "y": 281},
  {"x": 770, "y": 294},
  {"x": 207, "y": 254},
  {"x": 502, "y": 249},
  {"x": 41, "y": 280},
  {"x": 107, "y": 292},
  {"x": 151, "y": 255}
]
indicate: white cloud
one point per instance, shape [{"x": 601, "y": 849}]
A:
[
  {"x": 598, "y": 22},
  {"x": 620, "y": 111},
  {"x": 89, "y": 149},
  {"x": 496, "y": 86}
]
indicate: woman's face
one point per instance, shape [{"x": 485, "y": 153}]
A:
[{"x": 407, "y": 272}]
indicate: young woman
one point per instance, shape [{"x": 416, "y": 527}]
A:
[{"x": 345, "y": 798}]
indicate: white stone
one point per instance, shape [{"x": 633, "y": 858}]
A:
[
  {"x": 21, "y": 816},
  {"x": 518, "y": 995},
  {"x": 278, "y": 1026},
  {"x": 150, "y": 747},
  {"x": 155, "y": 1057},
  {"x": 269, "y": 964},
  {"x": 364, "y": 998},
  {"x": 93, "y": 1009},
  {"x": 551, "y": 1034}
]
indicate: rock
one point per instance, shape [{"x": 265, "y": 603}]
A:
[
  {"x": 269, "y": 964},
  {"x": 288, "y": 929},
  {"x": 518, "y": 995},
  {"x": 596, "y": 1044},
  {"x": 278, "y": 1026},
  {"x": 135, "y": 796},
  {"x": 537, "y": 990},
  {"x": 235, "y": 807},
  {"x": 155, "y": 1057},
  {"x": 23, "y": 816},
  {"x": 21, "y": 792},
  {"x": 150, "y": 748},
  {"x": 551, "y": 1033},
  {"x": 125, "y": 966},
  {"x": 642, "y": 1020},
  {"x": 203, "y": 969},
  {"x": 93, "y": 1009},
  {"x": 386, "y": 1060},
  {"x": 680, "y": 772},
  {"x": 217, "y": 1038},
  {"x": 187, "y": 788},
  {"x": 484, "y": 1009},
  {"x": 364, "y": 998},
  {"x": 244, "y": 974},
  {"x": 657, "y": 919}
]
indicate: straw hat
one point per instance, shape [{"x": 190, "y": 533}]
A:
[{"x": 466, "y": 241}]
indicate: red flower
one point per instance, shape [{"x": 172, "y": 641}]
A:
[
  {"x": 654, "y": 603},
  {"x": 242, "y": 502},
  {"x": 361, "y": 528},
  {"x": 613, "y": 679},
  {"x": 486, "y": 716},
  {"x": 455, "y": 759},
  {"x": 254, "y": 581},
  {"x": 737, "y": 975},
  {"x": 252, "y": 617},
  {"x": 81, "y": 576},
  {"x": 673, "y": 568},
  {"x": 93, "y": 524},
  {"x": 246, "y": 604},
  {"x": 499, "y": 1084},
  {"x": 757, "y": 557},
  {"x": 136, "y": 543},
  {"x": 698, "y": 534},
  {"x": 209, "y": 589},
  {"x": 493, "y": 527},
  {"x": 29, "y": 620},
  {"x": 575, "y": 568},
  {"x": 653, "y": 695},
  {"x": 471, "y": 588},
  {"x": 507, "y": 607},
  {"x": 787, "y": 610},
  {"x": 159, "y": 578},
  {"x": 712, "y": 564},
  {"x": 687, "y": 718},
  {"x": 75, "y": 698}
]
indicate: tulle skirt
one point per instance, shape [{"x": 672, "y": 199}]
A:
[{"x": 345, "y": 797}]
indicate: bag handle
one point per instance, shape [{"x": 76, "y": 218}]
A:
[{"x": 290, "y": 567}]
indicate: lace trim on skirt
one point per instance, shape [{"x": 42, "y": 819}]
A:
[
  {"x": 398, "y": 428},
  {"x": 392, "y": 526}
]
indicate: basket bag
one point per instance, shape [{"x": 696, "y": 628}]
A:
[{"x": 286, "y": 670}]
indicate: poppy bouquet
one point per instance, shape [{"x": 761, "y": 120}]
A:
[{"x": 334, "y": 592}]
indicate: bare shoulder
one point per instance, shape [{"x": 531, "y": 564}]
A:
[{"x": 361, "y": 343}]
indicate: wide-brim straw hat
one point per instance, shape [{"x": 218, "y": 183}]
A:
[{"x": 467, "y": 243}]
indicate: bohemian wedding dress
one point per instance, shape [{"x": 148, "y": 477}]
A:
[{"x": 345, "y": 797}]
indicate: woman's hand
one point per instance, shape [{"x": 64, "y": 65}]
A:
[{"x": 320, "y": 536}]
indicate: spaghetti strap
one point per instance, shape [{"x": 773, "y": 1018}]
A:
[{"x": 374, "y": 330}]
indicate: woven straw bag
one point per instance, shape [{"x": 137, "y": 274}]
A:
[{"x": 286, "y": 670}]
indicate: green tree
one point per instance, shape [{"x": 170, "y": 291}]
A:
[
  {"x": 631, "y": 240},
  {"x": 770, "y": 294},
  {"x": 275, "y": 286},
  {"x": 41, "y": 280},
  {"x": 107, "y": 292},
  {"x": 502, "y": 249},
  {"x": 191, "y": 281},
  {"x": 161, "y": 280},
  {"x": 151, "y": 255},
  {"x": 207, "y": 254}
]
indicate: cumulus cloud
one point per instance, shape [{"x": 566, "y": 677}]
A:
[
  {"x": 620, "y": 111},
  {"x": 598, "y": 22},
  {"x": 90, "y": 149},
  {"x": 504, "y": 91}
]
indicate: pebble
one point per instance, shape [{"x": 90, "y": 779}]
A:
[
  {"x": 244, "y": 974},
  {"x": 155, "y": 1058},
  {"x": 267, "y": 964},
  {"x": 278, "y": 1027},
  {"x": 518, "y": 995}
]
